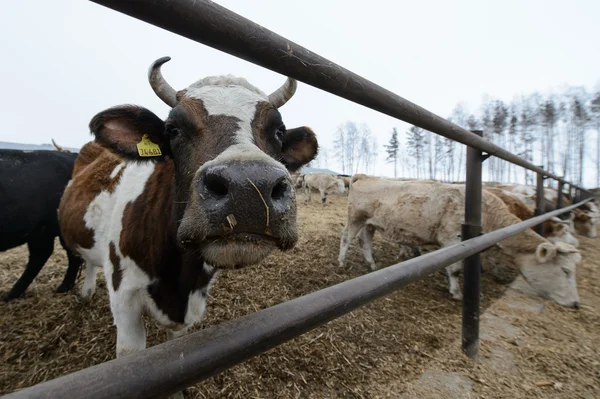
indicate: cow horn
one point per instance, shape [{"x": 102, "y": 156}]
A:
[
  {"x": 284, "y": 93},
  {"x": 163, "y": 90}
]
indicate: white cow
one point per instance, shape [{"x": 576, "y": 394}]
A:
[
  {"x": 325, "y": 183},
  {"x": 414, "y": 213}
]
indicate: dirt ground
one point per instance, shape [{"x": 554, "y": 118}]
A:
[{"x": 373, "y": 352}]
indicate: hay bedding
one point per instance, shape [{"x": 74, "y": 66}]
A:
[{"x": 371, "y": 352}]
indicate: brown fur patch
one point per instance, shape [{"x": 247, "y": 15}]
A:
[
  {"x": 147, "y": 234},
  {"x": 117, "y": 274},
  {"x": 180, "y": 94},
  {"x": 581, "y": 222},
  {"x": 91, "y": 176},
  {"x": 522, "y": 211},
  {"x": 206, "y": 136},
  {"x": 260, "y": 127}
]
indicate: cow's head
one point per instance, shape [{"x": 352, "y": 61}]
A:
[
  {"x": 557, "y": 230},
  {"x": 583, "y": 224},
  {"x": 232, "y": 154},
  {"x": 337, "y": 187},
  {"x": 551, "y": 272}
]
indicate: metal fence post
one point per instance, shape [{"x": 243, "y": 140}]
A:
[
  {"x": 539, "y": 203},
  {"x": 559, "y": 200},
  {"x": 472, "y": 265},
  {"x": 570, "y": 194}
]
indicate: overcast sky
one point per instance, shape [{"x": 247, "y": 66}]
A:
[{"x": 64, "y": 61}]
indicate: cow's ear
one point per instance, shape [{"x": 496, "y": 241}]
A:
[
  {"x": 132, "y": 132},
  {"x": 299, "y": 147},
  {"x": 545, "y": 252}
]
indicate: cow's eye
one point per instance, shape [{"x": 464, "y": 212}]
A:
[
  {"x": 172, "y": 131},
  {"x": 567, "y": 272},
  {"x": 280, "y": 132}
]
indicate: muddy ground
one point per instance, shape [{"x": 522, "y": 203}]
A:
[{"x": 372, "y": 352}]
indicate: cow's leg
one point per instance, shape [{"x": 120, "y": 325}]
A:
[
  {"x": 365, "y": 238},
  {"x": 72, "y": 270},
  {"x": 323, "y": 196},
  {"x": 89, "y": 285},
  {"x": 453, "y": 272},
  {"x": 348, "y": 234},
  {"x": 127, "y": 313},
  {"x": 40, "y": 249}
]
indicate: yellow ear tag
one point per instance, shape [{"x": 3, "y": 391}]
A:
[{"x": 146, "y": 148}]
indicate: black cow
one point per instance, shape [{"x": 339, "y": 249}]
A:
[{"x": 31, "y": 186}]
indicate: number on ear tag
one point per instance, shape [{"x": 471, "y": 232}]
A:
[{"x": 146, "y": 148}]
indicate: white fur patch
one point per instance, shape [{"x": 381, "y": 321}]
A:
[
  {"x": 105, "y": 213},
  {"x": 229, "y": 96},
  {"x": 116, "y": 170}
]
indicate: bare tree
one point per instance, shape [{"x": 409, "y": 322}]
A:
[
  {"x": 321, "y": 160},
  {"x": 512, "y": 139},
  {"x": 548, "y": 119},
  {"x": 367, "y": 149},
  {"x": 354, "y": 147},
  {"x": 527, "y": 122},
  {"x": 580, "y": 119},
  {"x": 498, "y": 125}
]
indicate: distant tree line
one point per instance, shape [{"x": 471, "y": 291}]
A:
[{"x": 558, "y": 132}]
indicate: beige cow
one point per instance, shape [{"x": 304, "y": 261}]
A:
[
  {"x": 419, "y": 214},
  {"x": 324, "y": 183}
]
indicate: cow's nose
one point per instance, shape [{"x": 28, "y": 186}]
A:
[
  {"x": 254, "y": 193},
  {"x": 576, "y": 304},
  {"x": 268, "y": 182}
]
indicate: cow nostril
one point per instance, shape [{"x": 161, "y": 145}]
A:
[
  {"x": 576, "y": 305},
  {"x": 216, "y": 185},
  {"x": 279, "y": 190}
]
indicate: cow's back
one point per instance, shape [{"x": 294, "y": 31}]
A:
[
  {"x": 31, "y": 186},
  {"x": 319, "y": 181},
  {"x": 92, "y": 175},
  {"x": 407, "y": 211}
]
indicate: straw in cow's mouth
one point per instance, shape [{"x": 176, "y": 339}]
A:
[{"x": 263, "y": 200}]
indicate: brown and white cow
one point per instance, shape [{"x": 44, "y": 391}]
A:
[
  {"x": 216, "y": 193},
  {"x": 555, "y": 229},
  {"x": 420, "y": 214},
  {"x": 583, "y": 223},
  {"x": 324, "y": 183}
]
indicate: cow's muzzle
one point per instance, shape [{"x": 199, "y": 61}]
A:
[{"x": 242, "y": 206}]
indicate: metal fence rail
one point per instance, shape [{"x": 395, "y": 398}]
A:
[
  {"x": 169, "y": 367},
  {"x": 213, "y": 25}
]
